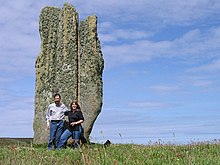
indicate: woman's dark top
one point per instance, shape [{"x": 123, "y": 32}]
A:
[{"x": 74, "y": 117}]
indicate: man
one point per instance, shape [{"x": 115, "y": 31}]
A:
[{"x": 55, "y": 120}]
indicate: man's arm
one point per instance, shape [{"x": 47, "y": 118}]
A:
[{"x": 65, "y": 109}]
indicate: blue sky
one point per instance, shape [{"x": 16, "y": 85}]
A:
[{"x": 161, "y": 75}]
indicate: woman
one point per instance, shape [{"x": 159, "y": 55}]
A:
[{"x": 75, "y": 117}]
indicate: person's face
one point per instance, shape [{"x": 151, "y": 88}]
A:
[
  {"x": 57, "y": 100},
  {"x": 74, "y": 106}
]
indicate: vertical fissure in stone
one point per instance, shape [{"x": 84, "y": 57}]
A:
[{"x": 78, "y": 67}]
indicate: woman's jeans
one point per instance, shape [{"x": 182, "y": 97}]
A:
[
  {"x": 56, "y": 129},
  {"x": 66, "y": 135}
]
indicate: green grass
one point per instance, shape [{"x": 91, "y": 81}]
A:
[{"x": 156, "y": 154}]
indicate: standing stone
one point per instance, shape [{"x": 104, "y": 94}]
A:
[{"x": 70, "y": 63}]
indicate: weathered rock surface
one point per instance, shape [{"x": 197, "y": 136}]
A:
[{"x": 70, "y": 63}]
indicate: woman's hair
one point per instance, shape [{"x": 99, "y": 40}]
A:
[{"x": 77, "y": 105}]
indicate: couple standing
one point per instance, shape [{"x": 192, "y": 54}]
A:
[{"x": 55, "y": 123}]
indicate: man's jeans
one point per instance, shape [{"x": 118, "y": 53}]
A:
[
  {"x": 66, "y": 135},
  {"x": 56, "y": 129}
]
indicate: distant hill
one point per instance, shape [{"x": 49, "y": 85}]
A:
[{"x": 8, "y": 141}]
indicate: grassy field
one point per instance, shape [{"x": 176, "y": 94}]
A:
[{"x": 23, "y": 152}]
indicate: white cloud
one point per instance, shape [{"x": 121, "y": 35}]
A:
[
  {"x": 164, "y": 88},
  {"x": 214, "y": 66},
  {"x": 149, "y": 104},
  {"x": 183, "y": 12},
  {"x": 17, "y": 114},
  {"x": 156, "y": 13},
  {"x": 126, "y": 34},
  {"x": 193, "y": 45},
  {"x": 202, "y": 83},
  {"x": 204, "y": 74}
]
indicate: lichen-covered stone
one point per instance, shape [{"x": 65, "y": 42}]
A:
[
  {"x": 90, "y": 78},
  {"x": 70, "y": 63}
]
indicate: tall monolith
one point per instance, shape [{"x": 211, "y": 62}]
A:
[{"x": 70, "y": 62}]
